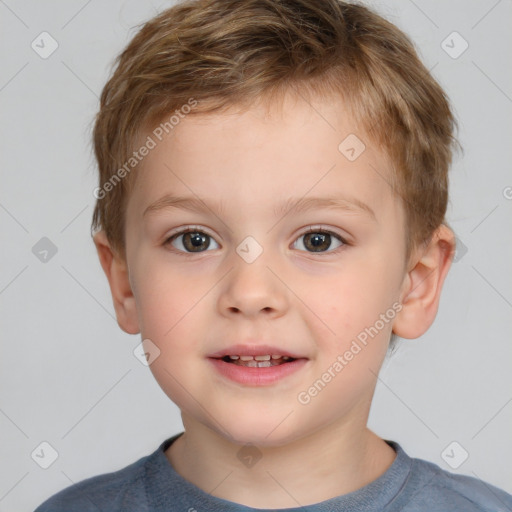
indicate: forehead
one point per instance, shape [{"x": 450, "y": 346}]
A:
[{"x": 266, "y": 154}]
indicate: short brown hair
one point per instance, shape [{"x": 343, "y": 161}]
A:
[{"x": 224, "y": 53}]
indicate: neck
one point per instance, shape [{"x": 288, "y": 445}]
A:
[{"x": 334, "y": 461}]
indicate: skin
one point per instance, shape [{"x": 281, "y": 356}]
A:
[{"x": 312, "y": 303}]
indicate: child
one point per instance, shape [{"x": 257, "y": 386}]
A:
[{"x": 273, "y": 185}]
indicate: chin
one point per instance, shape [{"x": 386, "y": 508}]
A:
[{"x": 261, "y": 431}]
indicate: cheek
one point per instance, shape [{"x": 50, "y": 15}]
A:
[
  {"x": 165, "y": 300},
  {"x": 171, "y": 312},
  {"x": 351, "y": 303}
]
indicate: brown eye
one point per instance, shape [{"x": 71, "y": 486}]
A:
[
  {"x": 192, "y": 241},
  {"x": 318, "y": 241}
]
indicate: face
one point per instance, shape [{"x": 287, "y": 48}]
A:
[{"x": 255, "y": 230}]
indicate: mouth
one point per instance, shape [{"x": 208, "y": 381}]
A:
[
  {"x": 256, "y": 369},
  {"x": 256, "y": 364},
  {"x": 263, "y": 361}
]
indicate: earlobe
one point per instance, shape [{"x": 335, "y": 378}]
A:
[
  {"x": 116, "y": 270},
  {"x": 421, "y": 290}
]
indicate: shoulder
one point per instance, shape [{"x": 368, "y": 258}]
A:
[
  {"x": 429, "y": 488},
  {"x": 109, "y": 491}
]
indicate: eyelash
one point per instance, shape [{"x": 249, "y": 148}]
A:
[{"x": 311, "y": 229}]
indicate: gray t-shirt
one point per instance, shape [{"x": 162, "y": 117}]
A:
[{"x": 152, "y": 484}]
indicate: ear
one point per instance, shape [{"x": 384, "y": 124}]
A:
[
  {"x": 116, "y": 270},
  {"x": 421, "y": 289}
]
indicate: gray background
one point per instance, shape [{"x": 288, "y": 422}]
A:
[{"x": 68, "y": 373}]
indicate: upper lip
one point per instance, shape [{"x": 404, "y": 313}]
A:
[{"x": 254, "y": 350}]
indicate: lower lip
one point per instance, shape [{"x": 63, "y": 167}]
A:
[{"x": 257, "y": 376}]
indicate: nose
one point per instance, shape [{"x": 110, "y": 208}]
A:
[{"x": 252, "y": 289}]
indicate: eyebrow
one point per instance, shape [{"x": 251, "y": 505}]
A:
[
  {"x": 294, "y": 205},
  {"x": 304, "y": 204}
]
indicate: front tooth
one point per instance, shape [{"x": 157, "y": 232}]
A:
[
  {"x": 234, "y": 357},
  {"x": 262, "y": 358},
  {"x": 246, "y": 358},
  {"x": 252, "y": 363},
  {"x": 274, "y": 356}
]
